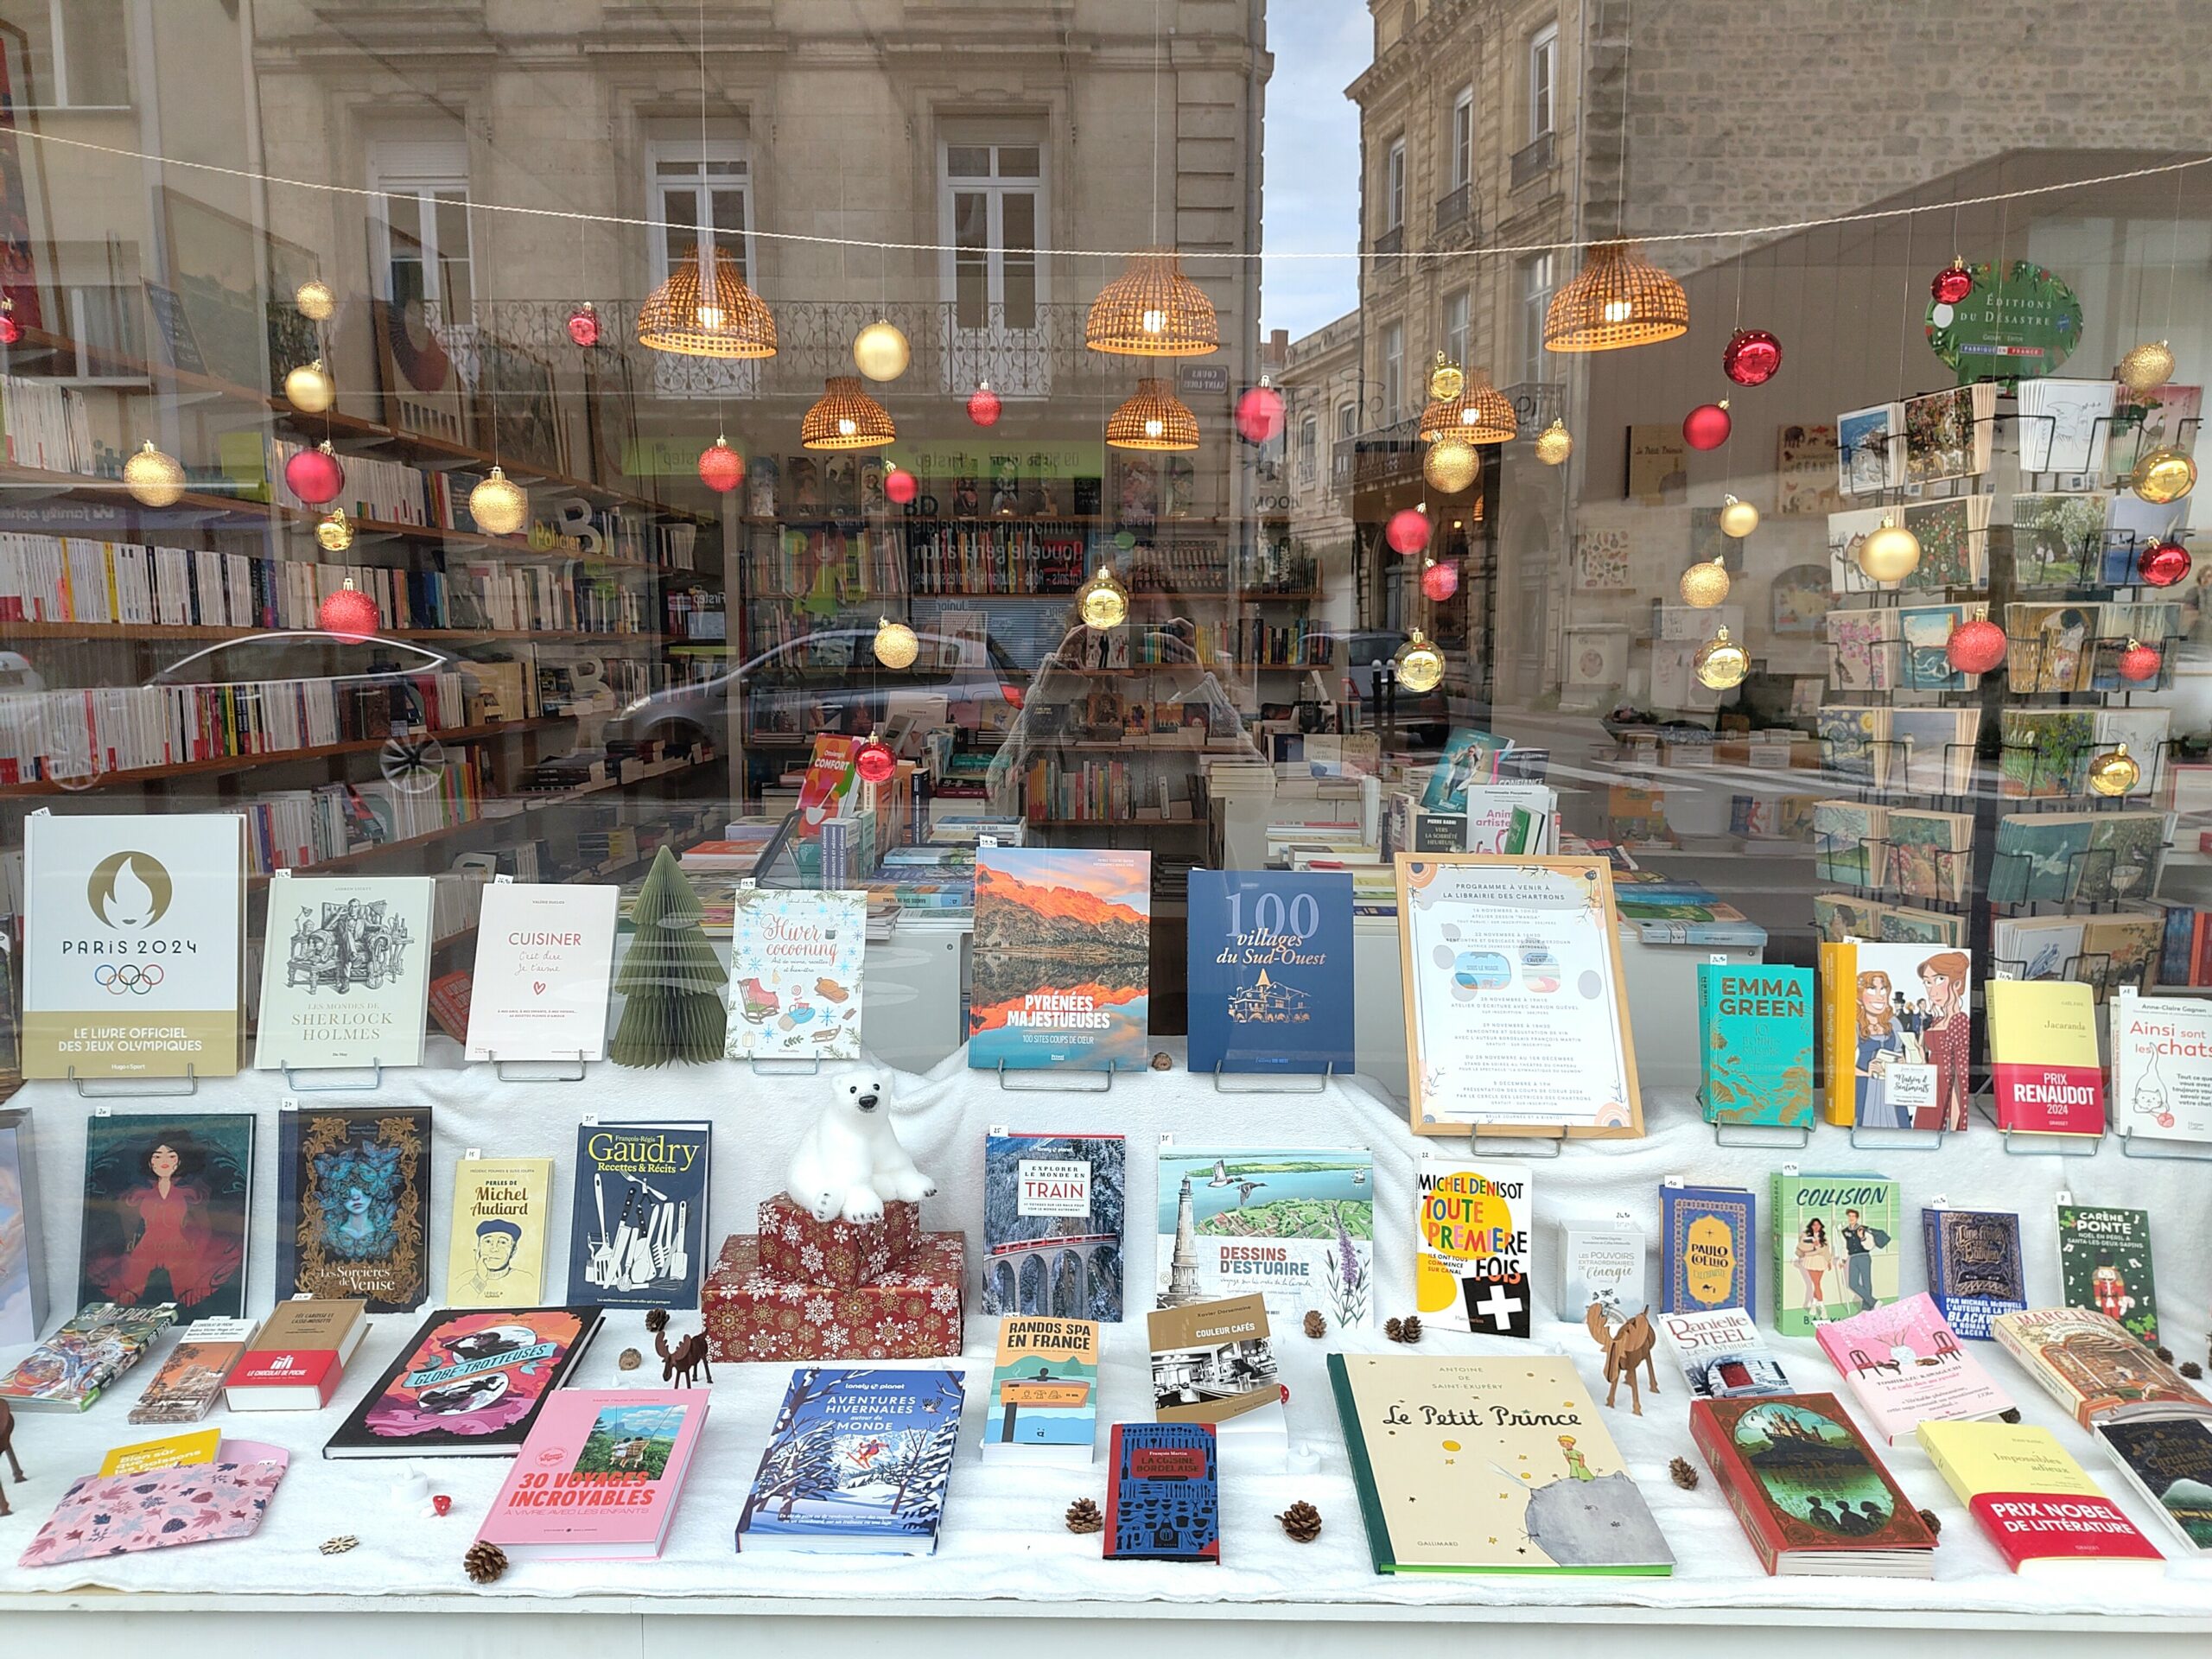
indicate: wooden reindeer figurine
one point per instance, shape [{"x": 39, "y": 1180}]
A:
[
  {"x": 8, "y": 1445},
  {"x": 681, "y": 1365},
  {"x": 1627, "y": 1347}
]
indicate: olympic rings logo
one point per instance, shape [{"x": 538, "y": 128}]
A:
[{"x": 129, "y": 977}]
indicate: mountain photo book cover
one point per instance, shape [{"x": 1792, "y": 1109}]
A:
[{"x": 1063, "y": 960}]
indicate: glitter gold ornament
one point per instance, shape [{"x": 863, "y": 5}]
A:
[
  {"x": 1446, "y": 382},
  {"x": 1451, "y": 464},
  {"x": 309, "y": 388},
  {"x": 2151, "y": 364},
  {"x": 2166, "y": 474},
  {"x": 895, "y": 644},
  {"x": 498, "y": 504},
  {"x": 1420, "y": 663},
  {"x": 1721, "y": 662},
  {"x": 1737, "y": 518},
  {"x": 880, "y": 351},
  {"x": 1104, "y": 603},
  {"x": 1554, "y": 443},
  {"x": 333, "y": 531},
  {"x": 315, "y": 299},
  {"x": 1705, "y": 584},
  {"x": 2114, "y": 771},
  {"x": 1890, "y": 554},
  {"x": 154, "y": 479}
]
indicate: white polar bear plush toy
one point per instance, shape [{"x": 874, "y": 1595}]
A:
[{"x": 849, "y": 1162}]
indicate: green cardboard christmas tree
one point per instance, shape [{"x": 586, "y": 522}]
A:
[{"x": 671, "y": 981}]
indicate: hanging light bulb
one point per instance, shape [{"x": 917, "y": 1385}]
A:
[
  {"x": 1705, "y": 584},
  {"x": 1890, "y": 553},
  {"x": 155, "y": 480},
  {"x": 333, "y": 531},
  {"x": 2166, "y": 474},
  {"x": 1554, "y": 443},
  {"x": 1152, "y": 310},
  {"x": 1103, "y": 602},
  {"x": 498, "y": 504},
  {"x": 1451, "y": 464},
  {"x": 880, "y": 351},
  {"x": 705, "y": 309},
  {"x": 1420, "y": 663},
  {"x": 309, "y": 388},
  {"x": 2114, "y": 771},
  {"x": 1618, "y": 299},
  {"x": 895, "y": 644},
  {"x": 1737, "y": 518},
  {"x": 1721, "y": 663},
  {"x": 315, "y": 299},
  {"x": 1152, "y": 419},
  {"x": 846, "y": 418}
]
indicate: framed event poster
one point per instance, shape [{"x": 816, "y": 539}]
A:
[{"x": 1515, "y": 1019}]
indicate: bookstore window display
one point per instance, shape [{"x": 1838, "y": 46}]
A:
[{"x": 612, "y": 746}]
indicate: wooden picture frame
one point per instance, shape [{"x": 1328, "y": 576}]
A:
[{"x": 1582, "y": 888}]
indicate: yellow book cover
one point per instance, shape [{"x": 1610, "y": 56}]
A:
[
  {"x": 174, "y": 1452},
  {"x": 2035, "y": 1504},
  {"x": 1837, "y": 971},
  {"x": 495, "y": 1251},
  {"x": 2043, "y": 1056}
]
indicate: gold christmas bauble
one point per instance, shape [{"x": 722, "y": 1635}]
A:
[
  {"x": 2164, "y": 475},
  {"x": 314, "y": 300},
  {"x": 333, "y": 531},
  {"x": 309, "y": 388},
  {"x": 1420, "y": 663},
  {"x": 1554, "y": 443},
  {"x": 1445, "y": 380},
  {"x": 2114, "y": 771},
  {"x": 1451, "y": 465},
  {"x": 2151, "y": 364},
  {"x": 1890, "y": 554},
  {"x": 1721, "y": 663},
  {"x": 1104, "y": 603},
  {"x": 497, "y": 505},
  {"x": 879, "y": 351},
  {"x": 1737, "y": 518},
  {"x": 152, "y": 478},
  {"x": 1705, "y": 584},
  {"x": 895, "y": 645}
]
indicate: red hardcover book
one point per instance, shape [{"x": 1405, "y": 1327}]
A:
[{"x": 1807, "y": 1489}]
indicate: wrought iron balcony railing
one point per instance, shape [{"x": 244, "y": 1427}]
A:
[{"x": 1531, "y": 162}]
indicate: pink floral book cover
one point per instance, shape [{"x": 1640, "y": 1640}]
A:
[
  {"x": 120, "y": 1514},
  {"x": 1905, "y": 1365}
]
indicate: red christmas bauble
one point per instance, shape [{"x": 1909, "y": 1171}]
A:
[
  {"x": 349, "y": 613},
  {"x": 2139, "y": 663},
  {"x": 583, "y": 324},
  {"x": 1407, "y": 531},
  {"x": 314, "y": 476},
  {"x": 983, "y": 406},
  {"x": 721, "y": 469},
  {"x": 1953, "y": 284},
  {"x": 1707, "y": 426},
  {"x": 1259, "y": 414},
  {"x": 901, "y": 486},
  {"x": 1750, "y": 357},
  {"x": 1440, "y": 581},
  {"x": 1976, "y": 647},
  {"x": 10, "y": 330},
  {"x": 2163, "y": 563},
  {"x": 874, "y": 761}
]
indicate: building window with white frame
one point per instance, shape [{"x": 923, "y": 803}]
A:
[
  {"x": 703, "y": 190},
  {"x": 1462, "y": 138},
  {"x": 1394, "y": 370},
  {"x": 1538, "y": 277},
  {"x": 423, "y": 254},
  {"x": 78, "y": 54},
  {"x": 1309, "y": 447},
  {"x": 1544, "y": 81},
  {"x": 993, "y": 207},
  {"x": 1394, "y": 186},
  {"x": 1456, "y": 308}
]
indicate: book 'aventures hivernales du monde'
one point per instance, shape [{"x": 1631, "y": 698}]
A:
[
  {"x": 1296, "y": 1224},
  {"x": 857, "y": 1463},
  {"x": 1063, "y": 960}
]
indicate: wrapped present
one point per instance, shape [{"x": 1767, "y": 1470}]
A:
[
  {"x": 913, "y": 1312},
  {"x": 795, "y": 1246}
]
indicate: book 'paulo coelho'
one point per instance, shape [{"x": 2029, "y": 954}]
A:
[
  {"x": 1063, "y": 960},
  {"x": 1270, "y": 971},
  {"x": 1705, "y": 1256}
]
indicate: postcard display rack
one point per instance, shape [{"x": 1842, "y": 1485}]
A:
[{"x": 2073, "y": 602}]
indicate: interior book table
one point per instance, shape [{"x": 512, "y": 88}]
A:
[{"x": 1005, "y": 1558}]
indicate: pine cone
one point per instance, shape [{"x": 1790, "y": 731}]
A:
[
  {"x": 2164, "y": 1353},
  {"x": 1405, "y": 1330},
  {"x": 1084, "y": 1517},
  {"x": 2191, "y": 1370},
  {"x": 1316, "y": 1326},
  {"x": 1684, "y": 1474},
  {"x": 1302, "y": 1521},
  {"x": 1933, "y": 1522},
  {"x": 656, "y": 1320},
  {"x": 485, "y": 1561},
  {"x": 630, "y": 1359}
]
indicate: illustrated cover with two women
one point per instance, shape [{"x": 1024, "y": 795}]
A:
[{"x": 1895, "y": 1019}]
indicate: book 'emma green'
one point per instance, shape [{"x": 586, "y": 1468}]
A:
[
  {"x": 1489, "y": 1465},
  {"x": 1755, "y": 1044},
  {"x": 1835, "y": 1239},
  {"x": 857, "y": 1463}
]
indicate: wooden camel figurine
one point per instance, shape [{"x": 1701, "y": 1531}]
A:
[
  {"x": 8, "y": 1445},
  {"x": 681, "y": 1365},
  {"x": 1627, "y": 1347}
]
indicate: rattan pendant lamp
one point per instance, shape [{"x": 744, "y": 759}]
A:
[{"x": 1618, "y": 299}]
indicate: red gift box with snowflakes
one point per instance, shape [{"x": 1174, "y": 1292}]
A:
[
  {"x": 797, "y": 1247},
  {"x": 913, "y": 1312}
]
